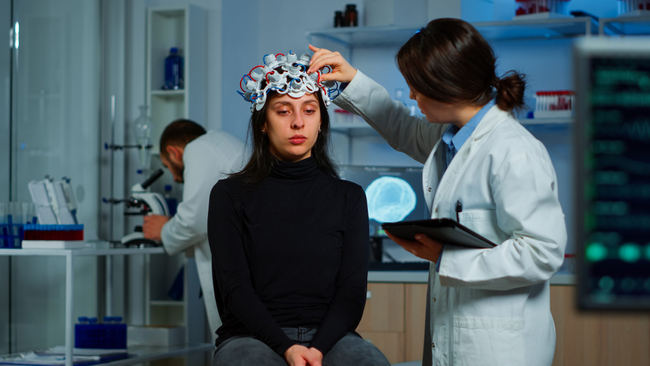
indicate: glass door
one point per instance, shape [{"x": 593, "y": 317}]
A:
[
  {"x": 5, "y": 133},
  {"x": 55, "y": 132}
]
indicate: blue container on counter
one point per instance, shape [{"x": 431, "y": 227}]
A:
[{"x": 111, "y": 334}]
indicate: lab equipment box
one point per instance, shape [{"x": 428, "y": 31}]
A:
[
  {"x": 108, "y": 335},
  {"x": 156, "y": 335}
]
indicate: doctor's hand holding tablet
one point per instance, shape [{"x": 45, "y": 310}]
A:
[{"x": 488, "y": 305}]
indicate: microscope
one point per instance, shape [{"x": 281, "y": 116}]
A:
[{"x": 143, "y": 203}]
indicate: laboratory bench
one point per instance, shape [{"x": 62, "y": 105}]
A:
[
  {"x": 423, "y": 277},
  {"x": 138, "y": 354}
]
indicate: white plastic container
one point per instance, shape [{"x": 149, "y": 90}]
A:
[
  {"x": 539, "y": 9},
  {"x": 155, "y": 335},
  {"x": 633, "y": 7},
  {"x": 554, "y": 104}
]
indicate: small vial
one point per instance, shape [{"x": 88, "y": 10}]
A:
[{"x": 338, "y": 19}]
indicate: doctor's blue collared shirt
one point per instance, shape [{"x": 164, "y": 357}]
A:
[{"x": 455, "y": 137}]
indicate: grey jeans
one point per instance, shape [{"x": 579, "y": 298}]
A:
[{"x": 350, "y": 350}]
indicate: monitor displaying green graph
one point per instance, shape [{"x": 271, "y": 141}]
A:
[{"x": 612, "y": 142}]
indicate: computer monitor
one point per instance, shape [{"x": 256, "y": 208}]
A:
[
  {"x": 612, "y": 152},
  {"x": 393, "y": 194}
]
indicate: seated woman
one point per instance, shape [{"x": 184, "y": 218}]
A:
[{"x": 289, "y": 239}]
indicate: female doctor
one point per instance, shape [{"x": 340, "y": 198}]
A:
[{"x": 485, "y": 306}]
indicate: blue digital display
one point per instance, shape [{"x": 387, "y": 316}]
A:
[
  {"x": 393, "y": 193},
  {"x": 390, "y": 199}
]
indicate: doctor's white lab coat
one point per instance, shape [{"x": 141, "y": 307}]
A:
[
  {"x": 207, "y": 159},
  {"x": 486, "y": 306}
]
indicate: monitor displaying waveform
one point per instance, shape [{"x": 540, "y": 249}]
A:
[
  {"x": 612, "y": 142},
  {"x": 634, "y": 130}
]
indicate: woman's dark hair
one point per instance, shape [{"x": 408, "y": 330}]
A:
[
  {"x": 262, "y": 160},
  {"x": 450, "y": 62}
]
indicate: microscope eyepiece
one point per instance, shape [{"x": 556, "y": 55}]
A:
[{"x": 152, "y": 178}]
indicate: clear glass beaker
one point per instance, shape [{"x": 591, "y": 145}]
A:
[
  {"x": 4, "y": 230},
  {"x": 143, "y": 130},
  {"x": 28, "y": 213}
]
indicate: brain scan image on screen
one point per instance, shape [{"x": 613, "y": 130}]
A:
[{"x": 390, "y": 199}]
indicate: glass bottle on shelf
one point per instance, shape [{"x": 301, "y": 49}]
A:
[
  {"x": 338, "y": 19},
  {"x": 173, "y": 70},
  {"x": 143, "y": 126},
  {"x": 351, "y": 16}
]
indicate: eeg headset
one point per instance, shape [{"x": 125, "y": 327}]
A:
[{"x": 285, "y": 75}]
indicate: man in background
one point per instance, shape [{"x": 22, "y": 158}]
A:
[{"x": 198, "y": 159}]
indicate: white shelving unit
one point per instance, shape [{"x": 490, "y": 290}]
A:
[
  {"x": 538, "y": 28},
  {"x": 625, "y": 26},
  {"x": 497, "y": 30},
  {"x": 184, "y": 28},
  {"x": 546, "y": 121},
  {"x": 162, "y": 310},
  {"x": 140, "y": 354},
  {"x": 356, "y": 124},
  {"x": 351, "y": 37}
]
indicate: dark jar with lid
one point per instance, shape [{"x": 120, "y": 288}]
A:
[
  {"x": 338, "y": 19},
  {"x": 351, "y": 15}
]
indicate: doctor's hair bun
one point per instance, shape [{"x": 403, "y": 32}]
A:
[{"x": 510, "y": 91}]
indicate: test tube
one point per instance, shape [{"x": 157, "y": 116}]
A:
[
  {"x": 555, "y": 101},
  {"x": 13, "y": 218},
  {"x": 3, "y": 222}
]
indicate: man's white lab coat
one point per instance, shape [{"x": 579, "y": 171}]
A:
[
  {"x": 486, "y": 306},
  {"x": 207, "y": 159}
]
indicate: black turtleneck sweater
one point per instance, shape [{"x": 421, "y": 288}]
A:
[{"x": 291, "y": 251}]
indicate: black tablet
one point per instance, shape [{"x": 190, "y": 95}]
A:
[{"x": 443, "y": 230}]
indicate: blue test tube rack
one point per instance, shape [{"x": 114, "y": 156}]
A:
[
  {"x": 111, "y": 334},
  {"x": 12, "y": 234}
]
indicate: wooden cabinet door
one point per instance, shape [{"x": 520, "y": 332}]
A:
[
  {"x": 384, "y": 308},
  {"x": 416, "y": 302},
  {"x": 383, "y": 319},
  {"x": 597, "y": 338}
]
